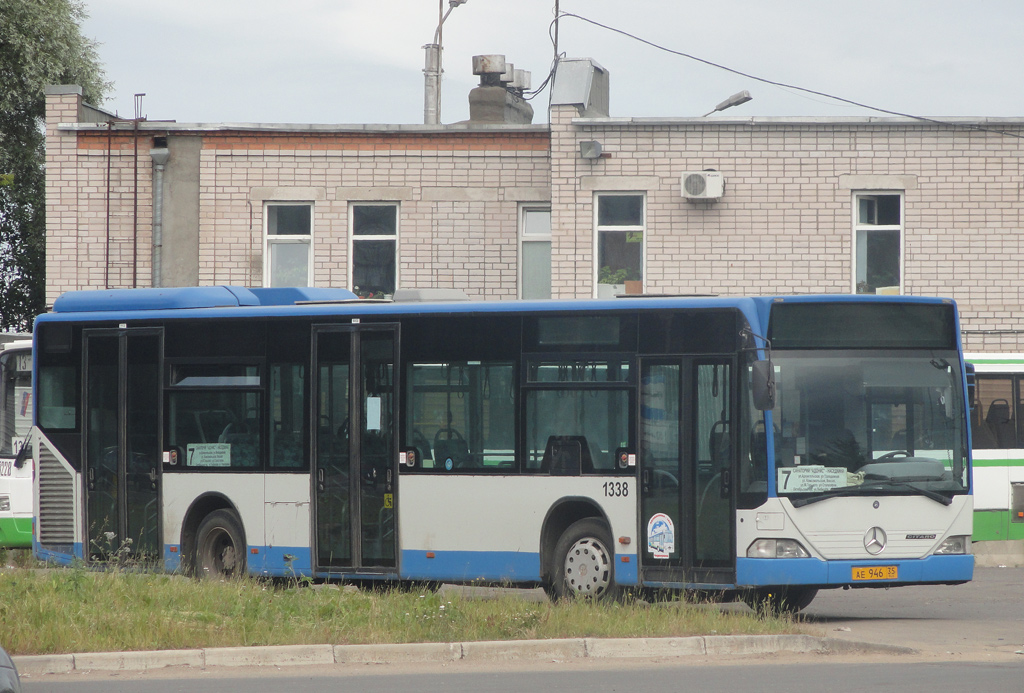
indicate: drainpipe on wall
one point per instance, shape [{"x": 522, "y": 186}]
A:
[{"x": 160, "y": 156}]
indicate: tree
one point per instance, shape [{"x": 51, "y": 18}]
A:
[{"x": 40, "y": 44}]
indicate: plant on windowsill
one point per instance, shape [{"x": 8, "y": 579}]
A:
[
  {"x": 606, "y": 275},
  {"x": 611, "y": 283}
]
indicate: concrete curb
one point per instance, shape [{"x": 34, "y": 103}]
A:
[{"x": 529, "y": 650}]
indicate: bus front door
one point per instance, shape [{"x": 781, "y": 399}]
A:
[
  {"x": 686, "y": 470},
  {"x": 355, "y": 468},
  {"x": 122, "y": 444}
]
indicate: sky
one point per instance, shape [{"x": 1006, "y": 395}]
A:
[{"x": 348, "y": 62}]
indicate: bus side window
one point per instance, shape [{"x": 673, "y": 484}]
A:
[
  {"x": 287, "y": 416},
  {"x": 992, "y": 420},
  {"x": 214, "y": 416},
  {"x": 461, "y": 416}
]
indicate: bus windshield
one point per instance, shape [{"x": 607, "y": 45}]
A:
[
  {"x": 869, "y": 422},
  {"x": 15, "y": 400}
]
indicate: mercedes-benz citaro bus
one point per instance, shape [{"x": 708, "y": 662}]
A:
[{"x": 760, "y": 447}]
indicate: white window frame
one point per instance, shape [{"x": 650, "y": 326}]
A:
[
  {"x": 858, "y": 228},
  {"x": 526, "y": 238},
  {"x": 297, "y": 239},
  {"x": 598, "y": 230},
  {"x": 352, "y": 240}
]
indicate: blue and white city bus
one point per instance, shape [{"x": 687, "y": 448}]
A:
[{"x": 765, "y": 447}]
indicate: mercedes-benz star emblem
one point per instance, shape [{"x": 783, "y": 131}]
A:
[{"x": 874, "y": 540}]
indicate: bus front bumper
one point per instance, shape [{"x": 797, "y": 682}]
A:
[{"x": 764, "y": 572}]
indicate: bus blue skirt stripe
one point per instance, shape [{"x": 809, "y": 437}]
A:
[
  {"x": 494, "y": 566},
  {"x": 812, "y": 571},
  {"x": 463, "y": 566}
]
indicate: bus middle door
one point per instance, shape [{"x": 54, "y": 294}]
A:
[
  {"x": 355, "y": 468},
  {"x": 686, "y": 471}
]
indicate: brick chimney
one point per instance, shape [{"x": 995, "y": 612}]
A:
[{"x": 499, "y": 98}]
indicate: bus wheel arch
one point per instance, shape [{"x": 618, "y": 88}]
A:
[
  {"x": 211, "y": 513},
  {"x": 579, "y": 523}
]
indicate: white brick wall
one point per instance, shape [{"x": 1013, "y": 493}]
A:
[
  {"x": 785, "y": 222},
  {"x": 783, "y": 226}
]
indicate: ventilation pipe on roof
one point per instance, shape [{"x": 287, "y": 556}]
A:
[
  {"x": 160, "y": 154},
  {"x": 499, "y": 98}
]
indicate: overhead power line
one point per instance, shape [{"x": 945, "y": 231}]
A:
[{"x": 783, "y": 85}]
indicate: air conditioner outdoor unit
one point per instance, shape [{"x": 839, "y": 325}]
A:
[{"x": 703, "y": 185}]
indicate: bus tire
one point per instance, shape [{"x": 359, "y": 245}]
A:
[
  {"x": 583, "y": 562},
  {"x": 776, "y": 601},
  {"x": 220, "y": 546}
]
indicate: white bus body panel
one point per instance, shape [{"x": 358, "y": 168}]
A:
[
  {"x": 992, "y": 484},
  {"x": 840, "y": 524},
  {"x": 500, "y": 513},
  {"x": 286, "y": 499},
  {"x": 244, "y": 491}
]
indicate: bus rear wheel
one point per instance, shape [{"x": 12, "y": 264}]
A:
[
  {"x": 220, "y": 546},
  {"x": 583, "y": 562},
  {"x": 776, "y": 601}
]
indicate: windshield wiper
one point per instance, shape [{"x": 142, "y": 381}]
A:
[{"x": 856, "y": 491}]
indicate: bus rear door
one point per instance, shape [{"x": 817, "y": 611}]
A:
[{"x": 122, "y": 443}]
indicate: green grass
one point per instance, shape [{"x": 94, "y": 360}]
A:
[{"x": 67, "y": 610}]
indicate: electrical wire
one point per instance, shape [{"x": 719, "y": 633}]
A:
[
  {"x": 783, "y": 85},
  {"x": 552, "y": 29}
]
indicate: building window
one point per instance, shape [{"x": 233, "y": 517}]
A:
[
  {"x": 620, "y": 243},
  {"x": 374, "y": 249},
  {"x": 878, "y": 231},
  {"x": 535, "y": 256},
  {"x": 289, "y": 237}
]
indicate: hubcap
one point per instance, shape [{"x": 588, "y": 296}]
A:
[
  {"x": 588, "y": 568},
  {"x": 220, "y": 555}
]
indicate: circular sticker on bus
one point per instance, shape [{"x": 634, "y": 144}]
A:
[{"x": 448, "y": 464}]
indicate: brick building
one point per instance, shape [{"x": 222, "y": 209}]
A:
[{"x": 586, "y": 206}]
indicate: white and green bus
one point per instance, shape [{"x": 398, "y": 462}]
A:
[
  {"x": 16, "y": 466},
  {"x": 997, "y": 433}
]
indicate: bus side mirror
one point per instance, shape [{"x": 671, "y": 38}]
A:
[
  {"x": 762, "y": 376},
  {"x": 24, "y": 455},
  {"x": 969, "y": 370}
]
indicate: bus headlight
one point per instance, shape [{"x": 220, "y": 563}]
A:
[
  {"x": 776, "y": 548},
  {"x": 5, "y": 504},
  {"x": 954, "y": 545}
]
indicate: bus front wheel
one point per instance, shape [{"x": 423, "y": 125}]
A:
[
  {"x": 775, "y": 601},
  {"x": 220, "y": 546},
  {"x": 583, "y": 562}
]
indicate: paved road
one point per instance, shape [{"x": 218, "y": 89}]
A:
[
  {"x": 571, "y": 677},
  {"x": 982, "y": 618}
]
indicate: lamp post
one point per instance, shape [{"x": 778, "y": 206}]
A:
[
  {"x": 432, "y": 70},
  {"x": 734, "y": 100}
]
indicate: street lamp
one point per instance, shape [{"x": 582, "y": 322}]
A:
[
  {"x": 432, "y": 71},
  {"x": 734, "y": 100}
]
